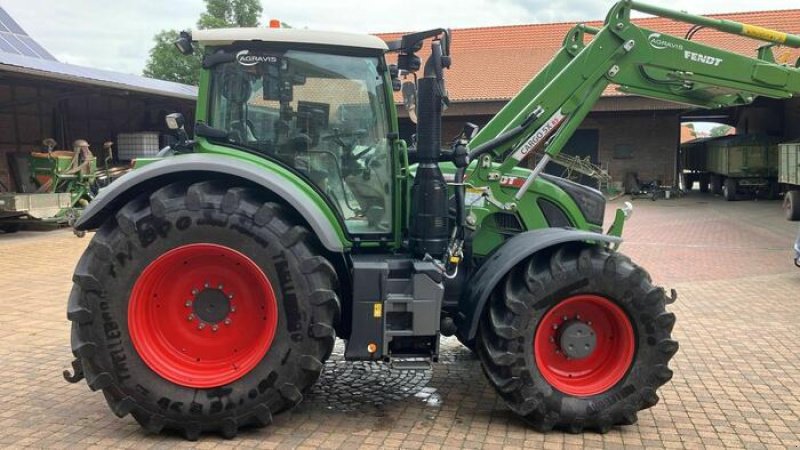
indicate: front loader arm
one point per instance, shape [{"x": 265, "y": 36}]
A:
[{"x": 550, "y": 108}]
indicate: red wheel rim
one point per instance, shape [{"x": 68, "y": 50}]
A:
[
  {"x": 607, "y": 362},
  {"x": 202, "y": 315}
]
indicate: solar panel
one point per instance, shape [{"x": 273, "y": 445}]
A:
[
  {"x": 5, "y": 46},
  {"x": 14, "y": 40}
]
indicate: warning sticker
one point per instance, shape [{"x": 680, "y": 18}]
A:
[
  {"x": 474, "y": 197},
  {"x": 763, "y": 33}
]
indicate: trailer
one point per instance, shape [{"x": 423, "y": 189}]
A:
[
  {"x": 731, "y": 165},
  {"x": 789, "y": 178}
]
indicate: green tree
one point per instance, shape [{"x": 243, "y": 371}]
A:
[
  {"x": 720, "y": 130},
  {"x": 165, "y": 63},
  {"x": 230, "y": 13}
]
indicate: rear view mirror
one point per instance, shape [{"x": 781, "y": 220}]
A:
[
  {"x": 175, "y": 121},
  {"x": 409, "y": 90}
]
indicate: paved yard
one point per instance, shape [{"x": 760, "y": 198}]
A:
[{"x": 736, "y": 384}]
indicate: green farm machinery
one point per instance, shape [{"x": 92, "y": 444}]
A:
[
  {"x": 55, "y": 185},
  {"x": 219, "y": 276}
]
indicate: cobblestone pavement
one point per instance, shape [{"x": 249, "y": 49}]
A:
[{"x": 736, "y": 383}]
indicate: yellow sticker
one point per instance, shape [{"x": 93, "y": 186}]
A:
[
  {"x": 377, "y": 310},
  {"x": 763, "y": 33}
]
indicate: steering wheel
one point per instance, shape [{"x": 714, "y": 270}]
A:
[{"x": 244, "y": 129}]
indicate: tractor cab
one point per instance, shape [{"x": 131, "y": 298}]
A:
[{"x": 319, "y": 103}]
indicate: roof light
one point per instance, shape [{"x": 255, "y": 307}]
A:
[{"x": 274, "y": 23}]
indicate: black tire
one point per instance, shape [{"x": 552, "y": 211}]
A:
[
  {"x": 209, "y": 212},
  {"x": 791, "y": 205},
  {"x": 716, "y": 184},
  {"x": 515, "y": 309},
  {"x": 704, "y": 183},
  {"x": 9, "y": 228},
  {"x": 730, "y": 189}
]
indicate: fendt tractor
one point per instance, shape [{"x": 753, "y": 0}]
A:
[{"x": 219, "y": 276}]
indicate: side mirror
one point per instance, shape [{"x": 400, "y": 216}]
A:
[
  {"x": 184, "y": 43},
  {"x": 409, "y": 90},
  {"x": 175, "y": 121}
]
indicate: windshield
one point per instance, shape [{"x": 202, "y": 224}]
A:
[{"x": 323, "y": 115}]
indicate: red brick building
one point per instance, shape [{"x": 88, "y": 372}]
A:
[{"x": 625, "y": 133}]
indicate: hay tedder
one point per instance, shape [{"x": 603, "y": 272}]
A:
[{"x": 218, "y": 278}]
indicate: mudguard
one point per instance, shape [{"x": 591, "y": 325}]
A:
[
  {"x": 511, "y": 253},
  {"x": 120, "y": 191}
]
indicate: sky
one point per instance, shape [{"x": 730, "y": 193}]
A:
[{"x": 117, "y": 34}]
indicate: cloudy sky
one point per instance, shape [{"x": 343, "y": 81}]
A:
[{"x": 117, "y": 34}]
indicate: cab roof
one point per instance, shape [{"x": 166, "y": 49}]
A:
[{"x": 227, "y": 36}]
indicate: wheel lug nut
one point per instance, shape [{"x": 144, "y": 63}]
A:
[
  {"x": 194, "y": 291},
  {"x": 230, "y": 296},
  {"x": 555, "y": 326},
  {"x": 188, "y": 303},
  {"x": 206, "y": 285},
  {"x": 220, "y": 287},
  {"x": 233, "y": 308},
  {"x": 201, "y": 326},
  {"x": 227, "y": 321},
  {"x": 190, "y": 317},
  {"x": 565, "y": 318},
  {"x": 589, "y": 322},
  {"x": 577, "y": 317},
  {"x": 552, "y": 339},
  {"x": 214, "y": 328}
]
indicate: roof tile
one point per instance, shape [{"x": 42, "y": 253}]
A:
[{"x": 494, "y": 63}]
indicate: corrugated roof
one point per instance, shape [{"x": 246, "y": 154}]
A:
[
  {"x": 105, "y": 78},
  {"x": 494, "y": 63}
]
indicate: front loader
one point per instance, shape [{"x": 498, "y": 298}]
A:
[{"x": 219, "y": 276}]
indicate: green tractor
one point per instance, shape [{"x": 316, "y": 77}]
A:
[{"x": 218, "y": 278}]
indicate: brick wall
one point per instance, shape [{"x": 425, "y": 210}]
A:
[
  {"x": 644, "y": 143},
  {"x": 651, "y": 135}
]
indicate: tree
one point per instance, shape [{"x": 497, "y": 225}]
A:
[
  {"x": 230, "y": 13},
  {"x": 720, "y": 130},
  {"x": 165, "y": 63}
]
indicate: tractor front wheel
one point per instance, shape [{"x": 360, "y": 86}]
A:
[
  {"x": 202, "y": 308},
  {"x": 577, "y": 339}
]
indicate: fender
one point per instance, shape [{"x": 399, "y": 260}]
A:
[
  {"x": 117, "y": 193},
  {"x": 511, "y": 253}
]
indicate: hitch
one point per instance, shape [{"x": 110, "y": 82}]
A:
[{"x": 77, "y": 369}]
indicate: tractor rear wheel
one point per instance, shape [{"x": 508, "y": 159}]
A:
[
  {"x": 791, "y": 204},
  {"x": 577, "y": 339},
  {"x": 202, "y": 308}
]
